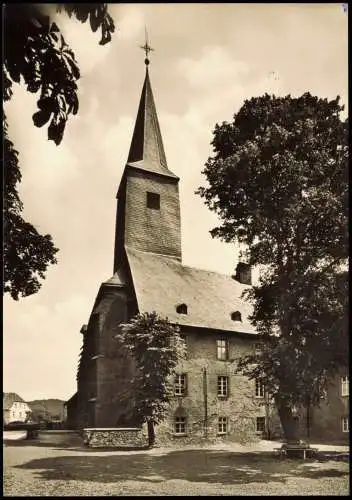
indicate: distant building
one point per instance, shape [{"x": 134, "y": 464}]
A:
[
  {"x": 14, "y": 408},
  {"x": 211, "y": 400}
]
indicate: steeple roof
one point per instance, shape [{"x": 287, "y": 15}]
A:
[{"x": 147, "y": 150}]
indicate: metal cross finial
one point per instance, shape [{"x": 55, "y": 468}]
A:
[{"x": 146, "y": 47}]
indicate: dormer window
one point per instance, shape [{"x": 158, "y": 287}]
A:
[
  {"x": 236, "y": 316},
  {"x": 153, "y": 200},
  {"x": 181, "y": 309}
]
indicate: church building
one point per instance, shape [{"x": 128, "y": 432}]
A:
[{"x": 211, "y": 400}]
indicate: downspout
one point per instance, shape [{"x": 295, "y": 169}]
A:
[
  {"x": 205, "y": 394},
  {"x": 308, "y": 419}
]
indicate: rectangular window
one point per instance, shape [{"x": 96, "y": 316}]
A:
[
  {"x": 222, "y": 425},
  {"x": 222, "y": 349},
  {"x": 180, "y": 425},
  {"x": 260, "y": 424},
  {"x": 345, "y": 389},
  {"x": 345, "y": 424},
  {"x": 153, "y": 200},
  {"x": 223, "y": 386},
  {"x": 259, "y": 388},
  {"x": 180, "y": 384},
  {"x": 258, "y": 349}
]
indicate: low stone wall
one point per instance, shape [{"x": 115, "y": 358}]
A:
[{"x": 122, "y": 437}]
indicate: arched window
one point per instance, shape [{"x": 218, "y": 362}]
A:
[
  {"x": 181, "y": 309},
  {"x": 236, "y": 316}
]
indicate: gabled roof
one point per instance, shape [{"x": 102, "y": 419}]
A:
[
  {"x": 9, "y": 398},
  {"x": 161, "y": 283},
  {"x": 147, "y": 149},
  {"x": 72, "y": 399}
]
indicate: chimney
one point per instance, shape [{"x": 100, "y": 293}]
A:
[{"x": 243, "y": 273}]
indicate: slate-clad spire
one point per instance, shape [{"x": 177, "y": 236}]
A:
[
  {"x": 148, "y": 204},
  {"x": 147, "y": 150}
]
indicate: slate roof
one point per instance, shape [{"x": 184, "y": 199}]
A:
[
  {"x": 9, "y": 398},
  {"x": 147, "y": 149},
  {"x": 161, "y": 283}
]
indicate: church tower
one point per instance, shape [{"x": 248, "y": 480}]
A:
[{"x": 148, "y": 206}]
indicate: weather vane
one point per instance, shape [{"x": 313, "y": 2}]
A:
[{"x": 146, "y": 47}]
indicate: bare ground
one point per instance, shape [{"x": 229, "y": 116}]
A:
[{"x": 46, "y": 469}]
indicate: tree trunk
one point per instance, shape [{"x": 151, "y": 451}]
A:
[
  {"x": 151, "y": 433},
  {"x": 288, "y": 422}
]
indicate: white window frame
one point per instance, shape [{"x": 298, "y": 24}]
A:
[
  {"x": 222, "y": 349},
  {"x": 259, "y": 389},
  {"x": 256, "y": 424},
  {"x": 180, "y": 384},
  {"x": 345, "y": 386},
  {"x": 223, "y": 386},
  {"x": 258, "y": 349},
  {"x": 180, "y": 426},
  {"x": 222, "y": 425},
  {"x": 345, "y": 424}
]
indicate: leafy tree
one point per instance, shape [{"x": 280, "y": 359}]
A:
[
  {"x": 36, "y": 55},
  {"x": 278, "y": 182},
  {"x": 156, "y": 347}
]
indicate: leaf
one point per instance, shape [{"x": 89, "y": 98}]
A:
[{"x": 41, "y": 117}]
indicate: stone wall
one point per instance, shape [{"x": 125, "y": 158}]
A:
[
  {"x": 114, "y": 438},
  {"x": 326, "y": 419},
  {"x": 114, "y": 366},
  {"x": 201, "y": 405}
]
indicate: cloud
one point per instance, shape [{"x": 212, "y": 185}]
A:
[
  {"x": 130, "y": 23},
  {"x": 213, "y": 68},
  {"x": 116, "y": 143},
  {"x": 41, "y": 343}
]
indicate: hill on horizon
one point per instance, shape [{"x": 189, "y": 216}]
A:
[{"x": 52, "y": 408}]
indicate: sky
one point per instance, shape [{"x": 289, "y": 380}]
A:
[{"x": 208, "y": 59}]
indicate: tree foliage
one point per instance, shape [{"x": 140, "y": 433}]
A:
[
  {"x": 278, "y": 182},
  {"x": 26, "y": 253},
  {"x": 36, "y": 55},
  {"x": 156, "y": 347}
]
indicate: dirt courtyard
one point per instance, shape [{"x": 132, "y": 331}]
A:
[{"x": 46, "y": 469}]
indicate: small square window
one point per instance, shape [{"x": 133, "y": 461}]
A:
[
  {"x": 222, "y": 349},
  {"x": 260, "y": 424},
  {"x": 345, "y": 389},
  {"x": 153, "y": 200},
  {"x": 259, "y": 388},
  {"x": 180, "y": 425},
  {"x": 345, "y": 424},
  {"x": 223, "y": 386},
  {"x": 222, "y": 425},
  {"x": 180, "y": 384}
]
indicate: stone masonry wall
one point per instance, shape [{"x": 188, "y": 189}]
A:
[
  {"x": 114, "y": 438},
  {"x": 114, "y": 367},
  {"x": 241, "y": 407},
  {"x": 326, "y": 419}
]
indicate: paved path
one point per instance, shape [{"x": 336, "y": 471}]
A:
[{"x": 45, "y": 470}]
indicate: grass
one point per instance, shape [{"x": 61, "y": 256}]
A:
[{"x": 32, "y": 470}]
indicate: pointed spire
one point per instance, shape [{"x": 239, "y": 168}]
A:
[{"x": 147, "y": 149}]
